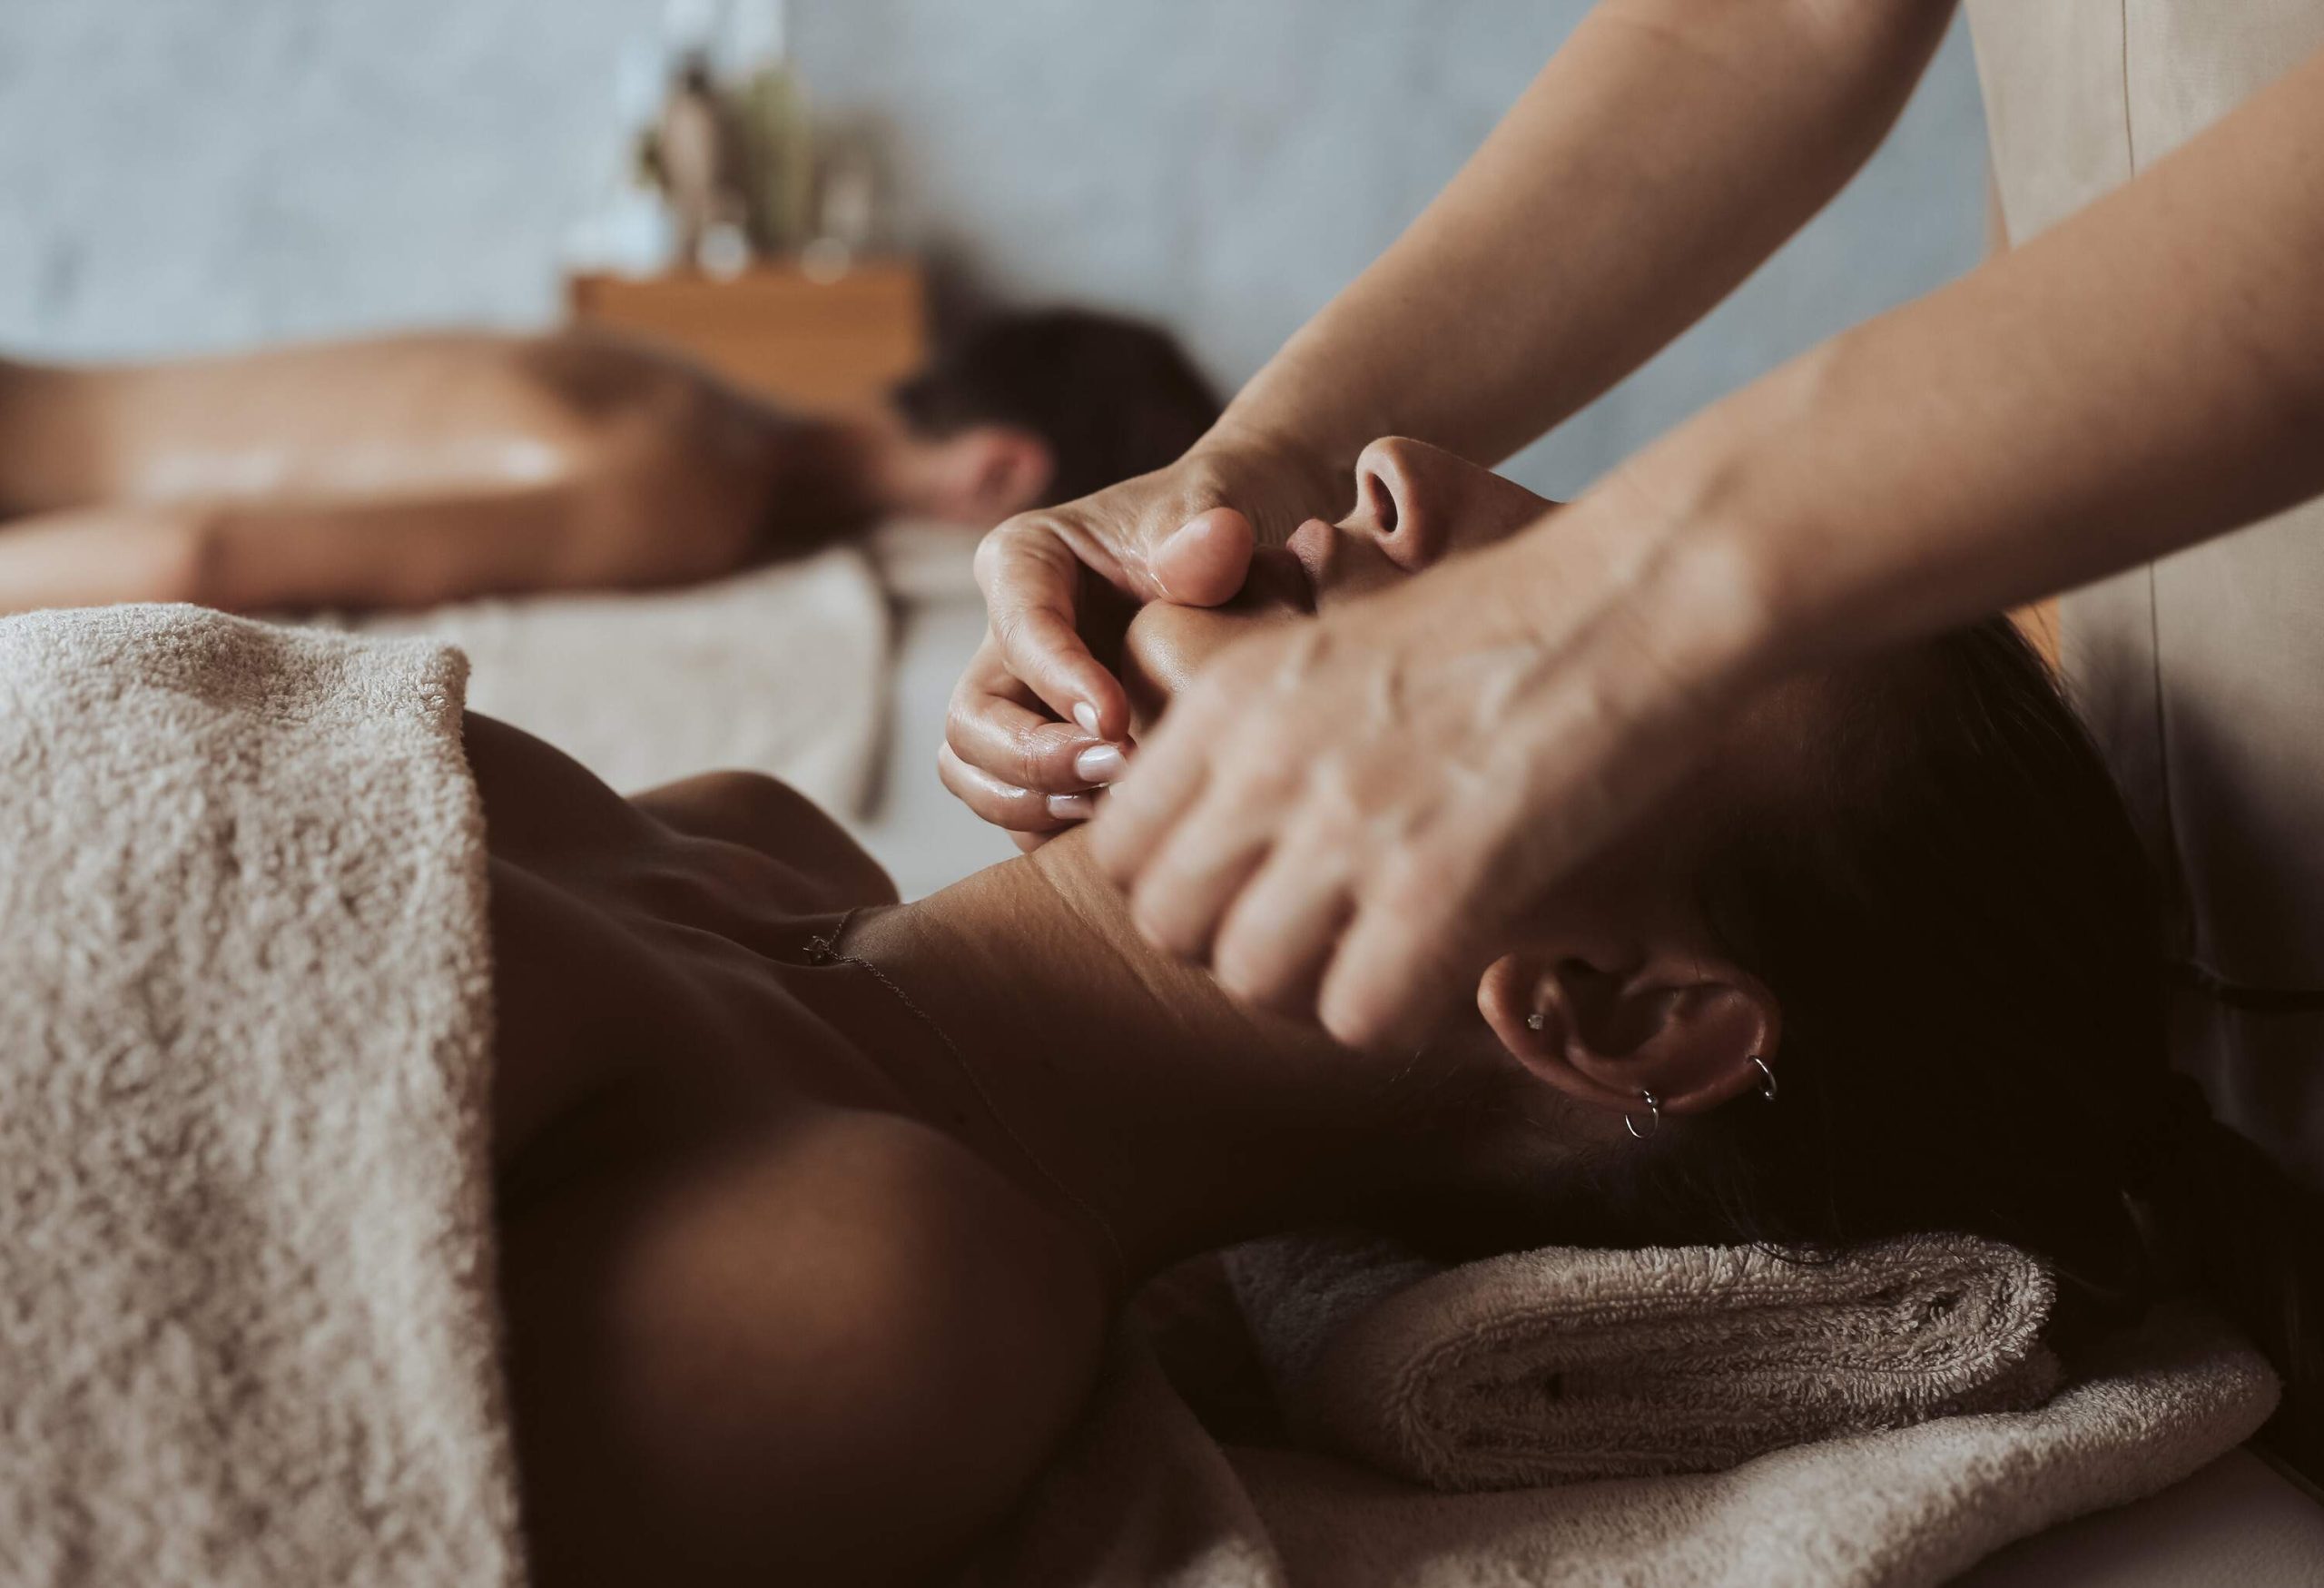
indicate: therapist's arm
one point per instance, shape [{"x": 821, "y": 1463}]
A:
[
  {"x": 1662, "y": 154},
  {"x": 2148, "y": 374},
  {"x": 1666, "y": 151}
]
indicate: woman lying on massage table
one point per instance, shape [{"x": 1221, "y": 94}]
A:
[{"x": 816, "y": 1207}]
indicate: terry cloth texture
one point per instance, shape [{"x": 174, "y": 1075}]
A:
[
  {"x": 1144, "y": 1497},
  {"x": 248, "y": 1332},
  {"x": 1551, "y": 1366},
  {"x": 781, "y": 670}
]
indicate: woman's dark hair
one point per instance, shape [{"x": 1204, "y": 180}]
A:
[
  {"x": 1965, "y": 938},
  {"x": 1112, "y": 397}
]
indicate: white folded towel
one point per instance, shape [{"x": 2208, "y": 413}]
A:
[
  {"x": 1559, "y": 1364},
  {"x": 780, "y": 669}
]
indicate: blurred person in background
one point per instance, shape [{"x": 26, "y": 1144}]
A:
[{"x": 415, "y": 469}]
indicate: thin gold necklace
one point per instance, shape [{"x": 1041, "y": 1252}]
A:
[{"x": 824, "y": 949}]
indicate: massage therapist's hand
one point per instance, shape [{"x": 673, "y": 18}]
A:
[
  {"x": 1349, "y": 817},
  {"x": 1037, "y": 721}
]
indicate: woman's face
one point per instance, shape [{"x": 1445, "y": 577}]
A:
[
  {"x": 1416, "y": 505},
  {"x": 1620, "y": 986}
]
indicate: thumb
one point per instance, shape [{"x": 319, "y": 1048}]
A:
[{"x": 1203, "y": 561}]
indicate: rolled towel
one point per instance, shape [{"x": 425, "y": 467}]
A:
[{"x": 1562, "y": 1365}]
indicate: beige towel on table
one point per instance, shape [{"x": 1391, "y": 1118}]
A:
[
  {"x": 1551, "y": 1366},
  {"x": 1144, "y": 1497},
  {"x": 780, "y": 669},
  {"x": 923, "y": 562},
  {"x": 248, "y": 1334}
]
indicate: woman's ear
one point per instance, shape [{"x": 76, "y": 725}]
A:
[{"x": 1603, "y": 1028}]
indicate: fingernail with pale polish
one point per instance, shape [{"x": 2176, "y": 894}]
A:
[
  {"x": 1086, "y": 714},
  {"x": 1100, "y": 763},
  {"x": 1073, "y": 807}
]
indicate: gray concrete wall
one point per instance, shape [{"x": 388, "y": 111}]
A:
[{"x": 185, "y": 174}]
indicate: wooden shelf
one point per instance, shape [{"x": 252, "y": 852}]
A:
[{"x": 834, "y": 344}]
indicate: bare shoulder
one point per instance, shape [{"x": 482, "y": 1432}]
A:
[
  {"x": 772, "y": 819},
  {"x": 836, "y": 1356},
  {"x": 543, "y": 808}
]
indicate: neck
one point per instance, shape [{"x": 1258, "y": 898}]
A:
[
  {"x": 1145, "y": 1100},
  {"x": 834, "y": 474},
  {"x": 878, "y": 465}
]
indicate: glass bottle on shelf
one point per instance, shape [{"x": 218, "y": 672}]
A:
[{"x": 770, "y": 106}]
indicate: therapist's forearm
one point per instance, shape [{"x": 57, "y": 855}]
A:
[
  {"x": 2146, "y": 375},
  {"x": 1666, "y": 150}
]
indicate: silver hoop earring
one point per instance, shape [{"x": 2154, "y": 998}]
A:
[
  {"x": 1768, "y": 1090},
  {"x": 1654, "y": 1104}
]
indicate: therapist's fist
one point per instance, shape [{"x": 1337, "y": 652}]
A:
[
  {"x": 1348, "y": 819},
  {"x": 1037, "y": 721}
]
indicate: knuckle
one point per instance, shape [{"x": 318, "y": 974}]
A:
[
  {"x": 1170, "y": 908},
  {"x": 1000, "y": 807},
  {"x": 1408, "y": 880},
  {"x": 978, "y": 691},
  {"x": 992, "y": 550},
  {"x": 1032, "y": 763},
  {"x": 1152, "y": 913},
  {"x": 959, "y": 773},
  {"x": 968, "y": 707},
  {"x": 965, "y": 790},
  {"x": 1332, "y": 800},
  {"x": 1007, "y": 624},
  {"x": 1353, "y": 1020},
  {"x": 1252, "y": 975},
  {"x": 948, "y": 771}
]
